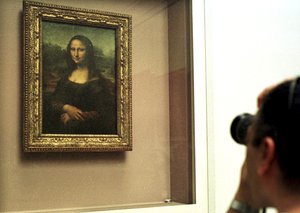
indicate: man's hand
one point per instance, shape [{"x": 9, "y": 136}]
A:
[{"x": 243, "y": 194}]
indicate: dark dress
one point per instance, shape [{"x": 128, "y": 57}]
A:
[{"x": 95, "y": 95}]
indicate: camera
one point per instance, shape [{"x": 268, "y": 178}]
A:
[{"x": 239, "y": 127}]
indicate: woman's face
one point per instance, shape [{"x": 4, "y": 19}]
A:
[{"x": 78, "y": 52}]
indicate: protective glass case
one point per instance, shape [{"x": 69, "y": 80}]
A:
[{"x": 159, "y": 169}]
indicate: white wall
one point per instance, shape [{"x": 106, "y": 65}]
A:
[{"x": 249, "y": 44}]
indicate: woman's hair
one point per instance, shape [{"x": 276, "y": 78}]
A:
[
  {"x": 279, "y": 118},
  {"x": 89, "y": 55}
]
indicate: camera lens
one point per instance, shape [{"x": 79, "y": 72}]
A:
[{"x": 239, "y": 127}]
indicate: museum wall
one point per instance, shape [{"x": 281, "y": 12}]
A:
[
  {"x": 35, "y": 181},
  {"x": 249, "y": 45}
]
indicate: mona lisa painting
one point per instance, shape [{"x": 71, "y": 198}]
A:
[{"x": 77, "y": 79}]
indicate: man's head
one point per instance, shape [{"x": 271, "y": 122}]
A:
[
  {"x": 279, "y": 118},
  {"x": 274, "y": 143}
]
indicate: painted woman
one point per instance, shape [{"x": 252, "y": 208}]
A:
[{"x": 84, "y": 101}]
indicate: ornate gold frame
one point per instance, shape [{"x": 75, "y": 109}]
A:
[{"x": 34, "y": 139}]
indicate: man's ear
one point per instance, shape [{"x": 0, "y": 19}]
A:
[{"x": 267, "y": 155}]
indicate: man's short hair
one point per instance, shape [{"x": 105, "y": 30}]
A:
[{"x": 279, "y": 118}]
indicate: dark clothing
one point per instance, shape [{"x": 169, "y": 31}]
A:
[{"x": 95, "y": 95}]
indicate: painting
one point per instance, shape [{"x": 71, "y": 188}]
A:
[{"x": 77, "y": 79}]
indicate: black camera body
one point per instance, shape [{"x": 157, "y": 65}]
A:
[{"x": 239, "y": 127}]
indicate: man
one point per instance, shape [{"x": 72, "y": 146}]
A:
[{"x": 270, "y": 175}]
